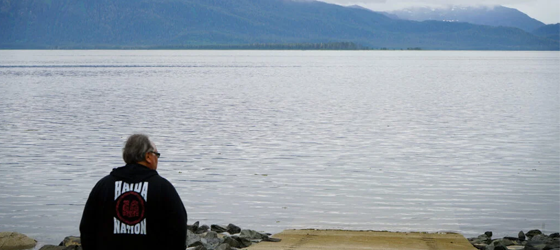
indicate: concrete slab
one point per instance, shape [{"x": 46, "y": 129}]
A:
[{"x": 361, "y": 240}]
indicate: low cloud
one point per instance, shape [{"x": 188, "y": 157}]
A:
[
  {"x": 547, "y": 11},
  {"x": 384, "y": 5}
]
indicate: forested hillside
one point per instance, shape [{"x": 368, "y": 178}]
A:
[
  {"x": 551, "y": 31},
  {"x": 149, "y": 23}
]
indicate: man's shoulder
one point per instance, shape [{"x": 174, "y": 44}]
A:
[
  {"x": 160, "y": 180},
  {"x": 104, "y": 181},
  {"x": 107, "y": 178}
]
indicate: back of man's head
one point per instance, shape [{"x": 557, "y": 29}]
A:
[{"x": 136, "y": 147}]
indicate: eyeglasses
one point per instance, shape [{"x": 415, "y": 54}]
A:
[{"x": 156, "y": 153}]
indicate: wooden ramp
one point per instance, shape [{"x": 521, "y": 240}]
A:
[{"x": 361, "y": 240}]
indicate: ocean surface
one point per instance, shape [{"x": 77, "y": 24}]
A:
[{"x": 436, "y": 141}]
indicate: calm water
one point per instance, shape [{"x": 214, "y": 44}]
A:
[{"x": 394, "y": 140}]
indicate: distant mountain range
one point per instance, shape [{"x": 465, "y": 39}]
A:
[
  {"x": 157, "y": 23},
  {"x": 484, "y": 15},
  {"x": 551, "y": 31}
]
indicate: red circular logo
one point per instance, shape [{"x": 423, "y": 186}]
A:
[{"x": 130, "y": 208}]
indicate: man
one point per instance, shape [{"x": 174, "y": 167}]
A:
[{"x": 134, "y": 207}]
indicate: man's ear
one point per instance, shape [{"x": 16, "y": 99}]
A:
[{"x": 147, "y": 158}]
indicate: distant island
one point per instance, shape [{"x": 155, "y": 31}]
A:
[
  {"x": 257, "y": 46},
  {"x": 251, "y": 24}
]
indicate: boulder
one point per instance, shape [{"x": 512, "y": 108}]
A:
[
  {"x": 53, "y": 247},
  {"x": 507, "y": 241},
  {"x": 223, "y": 238},
  {"x": 192, "y": 238},
  {"x": 211, "y": 235},
  {"x": 15, "y": 241},
  {"x": 480, "y": 246},
  {"x": 481, "y": 239},
  {"x": 193, "y": 227},
  {"x": 488, "y": 233},
  {"x": 272, "y": 239},
  {"x": 233, "y": 229},
  {"x": 553, "y": 243},
  {"x": 202, "y": 229},
  {"x": 211, "y": 240},
  {"x": 532, "y": 233},
  {"x": 196, "y": 244},
  {"x": 537, "y": 242},
  {"x": 496, "y": 245},
  {"x": 232, "y": 242},
  {"x": 71, "y": 241},
  {"x": 218, "y": 229},
  {"x": 223, "y": 246},
  {"x": 197, "y": 248},
  {"x": 243, "y": 241},
  {"x": 252, "y": 235},
  {"x": 521, "y": 236}
]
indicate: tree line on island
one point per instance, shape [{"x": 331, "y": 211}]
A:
[{"x": 254, "y": 46}]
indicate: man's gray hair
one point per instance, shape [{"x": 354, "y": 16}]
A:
[{"x": 136, "y": 147}]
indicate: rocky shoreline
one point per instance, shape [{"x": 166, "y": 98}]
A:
[
  {"x": 232, "y": 237},
  {"x": 199, "y": 237},
  {"x": 532, "y": 240}
]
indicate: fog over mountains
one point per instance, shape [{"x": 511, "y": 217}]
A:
[
  {"x": 152, "y": 23},
  {"x": 484, "y": 15}
]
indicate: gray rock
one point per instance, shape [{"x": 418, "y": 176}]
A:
[
  {"x": 480, "y": 246},
  {"x": 554, "y": 235},
  {"x": 211, "y": 240},
  {"x": 223, "y": 246},
  {"x": 243, "y": 241},
  {"x": 233, "y": 229},
  {"x": 53, "y": 247},
  {"x": 193, "y": 227},
  {"x": 232, "y": 242},
  {"x": 202, "y": 229},
  {"x": 211, "y": 235},
  {"x": 218, "y": 228},
  {"x": 521, "y": 236},
  {"x": 540, "y": 238},
  {"x": 535, "y": 246},
  {"x": 223, "y": 238},
  {"x": 272, "y": 239},
  {"x": 16, "y": 241},
  {"x": 71, "y": 241},
  {"x": 192, "y": 238},
  {"x": 196, "y": 244},
  {"x": 537, "y": 242},
  {"x": 481, "y": 239},
  {"x": 252, "y": 235},
  {"x": 509, "y": 241},
  {"x": 532, "y": 233},
  {"x": 488, "y": 233},
  {"x": 197, "y": 248},
  {"x": 553, "y": 243},
  {"x": 496, "y": 245}
]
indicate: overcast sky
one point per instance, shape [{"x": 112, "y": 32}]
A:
[{"x": 546, "y": 11}]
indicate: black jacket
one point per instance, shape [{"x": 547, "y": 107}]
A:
[{"x": 134, "y": 208}]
